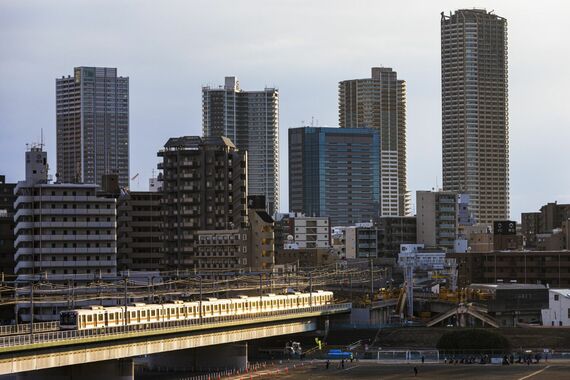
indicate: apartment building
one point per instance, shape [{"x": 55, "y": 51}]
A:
[
  {"x": 475, "y": 117},
  {"x": 92, "y": 118},
  {"x": 250, "y": 119},
  {"x": 204, "y": 188},
  {"x": 379, "y": 103}
]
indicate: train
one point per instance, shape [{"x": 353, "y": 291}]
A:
[{"x": 97, "y": 317}]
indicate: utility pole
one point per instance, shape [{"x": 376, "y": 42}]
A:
[
  {"x": 200, "y": 278},
  {"x": 126, "y": 300},
  {"x": 32, "y": 311},
  {"x": 350, "y": 285},
  {"x": 371, "y": 280},
  {"x": 260, "y": 288},
  {"x": 311, "y": 289}
]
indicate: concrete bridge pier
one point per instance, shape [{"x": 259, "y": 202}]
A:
[
  {"x": 223, "y": 356},
  {"x": 119, "y": 369}
]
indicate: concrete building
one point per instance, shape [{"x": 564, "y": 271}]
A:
[
  {"x": 512, "y": 304},
  {"x": 261, "y": 252},
  {"x": 92, "y": 117},
  {"x": 542, "y": 225},
  {"x": 474, "y": 83},
  {"x": 531, "y": 226},
  {"x": 335, "y": 172},
  {"x": 65, "y": 236},
  {"x": 558, "y": 312},
  {"x": 204, "y": 188},
  {"x": 437, "y": 216},
  {"x": 139, "y": 230},
  {"x": 393, "y": 232},
  {"x": 550, "y": 268},
  {"x": 7, "y": 199},
  {"x": 250, "y": 119},
  {"x": 361, "y": 241},
  {"x": 307, "y": 231},
  {"x": 220, "y": 253},
  {"x": 306, "y": 257},
  {"x": 379, "y": 103}
]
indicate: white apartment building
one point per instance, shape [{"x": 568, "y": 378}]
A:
[
  {"x": 65, "y": 236},
  {"x": 558, "y": 312},
  {"x": 312, "y": 232}
]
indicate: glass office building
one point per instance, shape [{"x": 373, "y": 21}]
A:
[{"x": 335, "y": 172}]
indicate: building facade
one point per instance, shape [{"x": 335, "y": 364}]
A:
[
  {"x": 65, "y": 235},
  {"x": 261, "y": 228},
  {"x": 474, "y": 83},
  {"x": 545, "y": 228},
  {"x": 139, "y": 231},
  {"x": 395, "y": 231},
  {"x": 92, "y": 117},
  {"x": 362, "y": 241},
  {"x": 7, "y": 199},
  {"x": 437, "y": 217},
  {"x": 550, "y": 268},
  {"x": 379, "y": 103},
  {"x": 558, "y": 312},
  {"x": 204, "y": 188},
  {"x": 250, "y": 119},
  {"x": 220, "y": 253},
  {"x": 335, "y": 172}
]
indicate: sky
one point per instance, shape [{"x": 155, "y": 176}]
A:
[{"x": 169, "y": 49}]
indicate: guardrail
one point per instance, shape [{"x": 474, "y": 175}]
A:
[
  {"x": 24, "y": 328},
  {"x": 120, "y": 332}
]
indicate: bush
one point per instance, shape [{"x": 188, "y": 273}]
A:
[{"x": 473, "y": 340}]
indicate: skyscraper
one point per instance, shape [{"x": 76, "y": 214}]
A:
[
  {"x": 250, "y": 119},
  {"x": 379, "y": 103},
  {"x": 474, "y": 102},
  {"x": 92, "y": 116},
  {"x": 335, "y": 172}
]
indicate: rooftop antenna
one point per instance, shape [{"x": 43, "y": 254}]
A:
[{"x": 42, "y": 139}]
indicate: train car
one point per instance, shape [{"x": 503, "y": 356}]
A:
[{"x": 96, "y": 317}]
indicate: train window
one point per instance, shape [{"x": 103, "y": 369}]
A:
[
  {"x": 111, "y": 316},
  {"x": 133, "y": 313},
  {"x": 181, "y": 310},
  {"x": 100, "y": 317},
  {"x": 143, "y": 313},
  {"x": 152, "y": 313},
  {"x": 89, "y": 318}
]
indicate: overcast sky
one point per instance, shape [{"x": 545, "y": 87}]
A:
[{"x": 302, "y": 47}]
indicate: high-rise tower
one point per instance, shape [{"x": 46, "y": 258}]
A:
[
  {"x": 250, "y": 119},
  {"x": 379, "y": 103},
  {"x": 474, "y": 102},
  {"x": 92, "y": 112}
]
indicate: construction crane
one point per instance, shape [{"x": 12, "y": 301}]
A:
[{"x": 135, "y": 177}]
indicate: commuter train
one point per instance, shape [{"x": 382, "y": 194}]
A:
[{"x": 96, "y": 317}]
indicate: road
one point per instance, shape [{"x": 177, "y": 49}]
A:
[{"x": 363, "y": 370}]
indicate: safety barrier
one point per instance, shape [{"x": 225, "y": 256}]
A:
[{"x": 24, "y": 328}]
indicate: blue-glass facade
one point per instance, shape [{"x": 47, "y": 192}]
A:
[{"x": 335, "y": 172}]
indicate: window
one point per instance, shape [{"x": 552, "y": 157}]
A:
[{"x": 556, "y": 297}]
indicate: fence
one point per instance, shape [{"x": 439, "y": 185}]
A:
[
  {"x": 24, "y": 328},
  {"x": 402, "y": 356},
  {"x": 158, "y": 327}
]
